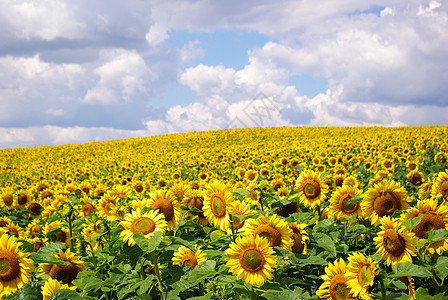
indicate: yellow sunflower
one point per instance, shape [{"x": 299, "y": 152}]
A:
[
  {"x": 62, "y": 235},
  {"x": 274, "y": 228},
  {"x": 7, "y": 198},
  {"x": 15, "y": 266},
  {"x": 340, "y": 208},
  {"x": 147, "y": 223},
  {"x": 383, "y": 199},
  {"x": 53, "y": 285},
  {"x": 311, "y": 188},
  {"x": 335, "y": 284},
  {"x": 242, "y": 209},
  {"x": 23, "y": 198},
  {"x": 13, "y": 229},
  {"x": 251, "y": 259},
  {"x": 107, "y": 206},
  {"x": 394, "y": 242},
  {"x": 361, "y": 272},
  {"x": 68, "y": 273},
  {"x": 168, "y": 205},
  {"x": 300, "y": 238},
  {"x": 415, "y": 177},
  {"x": 195, "y": 198},
  {"x": 440, "y": 186},
  {"x": 217, "y": 201},
  {"x": 186, "y": 257},
  {"x": 434, "y": 217},
  {"x": 254, "y": 194}
]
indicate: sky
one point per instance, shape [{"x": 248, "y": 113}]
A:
[{"x": 83, "y": 71}]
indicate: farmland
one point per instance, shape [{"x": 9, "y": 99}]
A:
[{"x": 257, "y": 213}]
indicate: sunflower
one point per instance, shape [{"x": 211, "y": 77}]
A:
[
  {"x": 394, "y": 243},
  {"x": 15, "y": 266},
  {"x": 68, "y": 273},
  {"x": 415, "y": 177},
  {"x": 23, "y": 199},
  {"x": 186, "y": 257},
  {"x": 179, "y": 190},
  {"x": 147, "y": 223},
  {"x": 361, "y": 272},
  {"x": 168, "y": 205},
  {"x": 311, "y": 189},
  {"x": 62, "y": 235},
  {"x": 300, "y": 238},
  {"x": 107, "y": 206},
  {"x": 274, "y": 228},
  {"x": 7, "y": 198},
  {"x": 195, "y": 198},
  {"x": 434, "y": 217},
  {"x": 251, "y": 176},
  {"x": 383, "y": 199},
  {"x": 251, "y": 259},
  {"x": 335, "y": 284},
  {"x": 440, "y": 186},
  {"x": 254, "y": 194},
  {"x": 53, "y": 285},
  {"x": 13, "y": 229},
  {"x": 340, "y": 206},
  {"x": 242, "y": 209},
  {"x": 217, "y": 201}
]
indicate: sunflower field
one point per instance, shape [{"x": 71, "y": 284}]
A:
[{"x": 258, "y": 213}]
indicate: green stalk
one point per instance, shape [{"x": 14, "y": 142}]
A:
[
  {"x": 70, "y": 230},
  {"x": 155, "y": 259},
  {"x": 383, "y": 290}
]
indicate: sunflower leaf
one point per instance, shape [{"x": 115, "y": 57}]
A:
[
  {"x": 65, "y": 294},
  {"x": 147, "y": 245},
  {"x": 355, "y": 199},
  {"x": 437, "y": 235},
  {"x": 442, "y": 267},
  {"x": 412, "y": 223},
  {"x": 405, "y": 269},
  {"x": 30, "y": 291},
  {"x": 190, "y": 208},
  {"x": 47, "y": 258},
  {"x": 241, "y": 192},
  {"x": 54, "y": 247}
]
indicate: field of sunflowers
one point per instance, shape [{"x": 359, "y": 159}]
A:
[{"x": 259, "y": 213}]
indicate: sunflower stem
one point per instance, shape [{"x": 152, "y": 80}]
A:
[
  {"x": 232, "y": 228},
  {"x": 155, "y": 259},
  {"x": 383, "y": 289},
  {"x": 70, "y": 228}
]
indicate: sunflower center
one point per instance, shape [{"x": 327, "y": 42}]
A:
[
  {"x": 22, "y": 199},
  {"x": 218, "y": 206},
  {"x": 365, "y": 275},
  {"x": 189, "y": 260},
  {"x": 269, "y": 232},
  {"x": 139, "y": 188},
  {"x": 166, "y": 207},
  {"x": 428, "y": 223},
  {"x": 415, "y": 179},
  {"x": 65, "y": 274},
  {"x": 110, "y": 206},
  {"x": 8, "y": 199},
  {"x": 197, "y": 202},
  {"x": 347, "y": 207},
  {"x": 298, "y": 246},
  {"x": 9, "y": 266},
  {"x": 338, "y": 288},
  {"x": 143, "y": 225},
  {"x": 35, "y": 208},
  {"x": 61, "y": 236},
  {"x": 252, "y": 260},
  {"x": 394, "y": 243},
  {"x": 386, "y": 204},
  {"x": 311, "y": 190}
]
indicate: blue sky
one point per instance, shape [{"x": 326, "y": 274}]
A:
[{"x": 84, "y": 71}]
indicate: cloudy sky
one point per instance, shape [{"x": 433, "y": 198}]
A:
[{"x": 81, "y": 71}]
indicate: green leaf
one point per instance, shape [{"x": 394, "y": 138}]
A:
[
  {"x": 284, "y": 294},
  {"x": 313, "y": 260},
  {"x": 202, "y": 271},
  {"x": 324, "y": 174},
  {"x": 405, "y": 269},
  {"x": 411, "y": 223},
  {"x": 207, "y": 296},
  {"x": 190, "y": 208},
  {"x": 442, "y": 267},
  {"x": 54, "y": 247},
  {"x": 326, "y": 242},
  {"x": 146, "y": 245},
  {"x": 355, "y": 199},
  {"x": 65, "y": 295},
  {"x": 437, "y": 235},
  {"x": 31, "y": 291},
  {"x": 47, "y": 258},
  {"x": 241, "y": 192}
]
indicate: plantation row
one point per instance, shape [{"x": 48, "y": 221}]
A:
[{"x": 260, "y": 213}]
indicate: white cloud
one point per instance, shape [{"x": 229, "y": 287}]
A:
[
  {"x": 123, "y": 75},
  {"x": 47, "y": 19}
]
